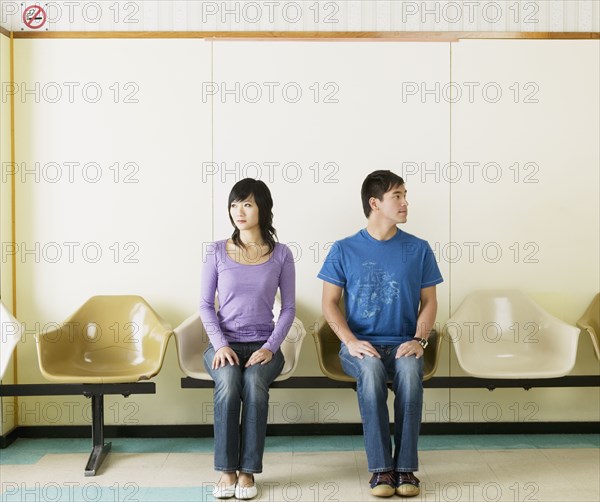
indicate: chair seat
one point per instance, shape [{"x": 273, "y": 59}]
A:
[
  {"x": 505, "y": 334},
  {"x": 110, "y": 339}
]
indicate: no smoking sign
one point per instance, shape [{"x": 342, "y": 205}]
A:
[{"x": 34, "y": 17}]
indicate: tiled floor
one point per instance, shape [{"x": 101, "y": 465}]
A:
[{"x": 329, "y": 468}]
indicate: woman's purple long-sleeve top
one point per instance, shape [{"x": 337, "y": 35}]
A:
[{"x": 246, "y": 295}]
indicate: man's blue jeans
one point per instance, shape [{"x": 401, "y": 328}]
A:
[
  {"x": 372, "y": 374},
  {"x": 234, "y": 384}
]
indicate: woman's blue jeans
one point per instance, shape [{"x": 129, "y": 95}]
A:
[
  {"x": 372, "y": 374},
  {"x": 235, "y": 449}
]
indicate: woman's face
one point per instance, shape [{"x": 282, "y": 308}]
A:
[{"x": 244, "y": 213}]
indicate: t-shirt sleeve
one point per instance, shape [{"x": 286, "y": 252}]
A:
[
  {"x": 431, "y": 272},
  {"x": 333, "y": 270}
]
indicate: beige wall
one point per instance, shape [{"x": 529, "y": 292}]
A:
[{"x": 363, "y": 106}]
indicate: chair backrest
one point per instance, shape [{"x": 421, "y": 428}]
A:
[
  {"x": 503, "y": 318},
  {"x": 590, "y": 321},
  {"x": 290, "y": 348},
  {"x": 328, "y": 346},
  {"x": 192, "y": 341},
  {"x": 505, "y": 334},
  {"x": 116, "y": 338},
  {"x": 10, "y": 332},
  {"x": 114, "y": 320}
]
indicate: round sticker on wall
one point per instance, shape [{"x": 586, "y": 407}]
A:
[{"x": 34, "y": 17}]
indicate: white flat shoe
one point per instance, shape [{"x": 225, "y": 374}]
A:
[
  {"x": 246, "y": 492},
  {"x": 224, "y": 492}
]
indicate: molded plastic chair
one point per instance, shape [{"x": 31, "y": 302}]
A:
[
  {"x": 505, "y": 334},
  {"x": 590, "y": 322},
  {"x": 192, "y": 341},
  {"x": 10, "y": 331},
  {"x": 328, "y": 347},
  {"x": 110, "y": 339}
]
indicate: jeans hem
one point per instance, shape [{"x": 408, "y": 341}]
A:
[
  {"x": 384, "y": 469},
  {"x": 407, "y": 470},
  {"x": 223, "y": 469},
  {"x": 250, "y": 471}
]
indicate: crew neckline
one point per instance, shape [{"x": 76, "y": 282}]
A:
[{"x": 366, "y": 234}]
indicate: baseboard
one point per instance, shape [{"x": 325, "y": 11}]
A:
[
  {"x": 309, "y": 429},
  {"x": 8, "y": 439}
]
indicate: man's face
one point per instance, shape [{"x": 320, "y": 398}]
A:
[{"x": 394, "y": 206}]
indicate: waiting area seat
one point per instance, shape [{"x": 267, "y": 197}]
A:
[
  {"x": 110, "y": 340},
  {"x": 192, "y": 341},
  {"x": 10, "y": 331},
  {"x": 505, "y": 334},
  {"x": 328, "y": 347},
  {"x": 590, "y": 322}
]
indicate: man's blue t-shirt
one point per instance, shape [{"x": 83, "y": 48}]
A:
[{"x": 382, "y": 283}]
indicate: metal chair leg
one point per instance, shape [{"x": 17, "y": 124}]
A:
[{"x": 100, "y": 448}]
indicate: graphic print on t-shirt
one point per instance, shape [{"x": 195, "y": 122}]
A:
[{"x": 376, "y": 288}]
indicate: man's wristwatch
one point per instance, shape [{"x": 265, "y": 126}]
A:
[{"x": 422, "y": 342}]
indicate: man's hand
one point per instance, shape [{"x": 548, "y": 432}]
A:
[
  {"x": 223, "y": 356},
  {"x": 360, "y": 349},
  {"x": 410, "y": 348},
  {"x": 262, "y": 356}
]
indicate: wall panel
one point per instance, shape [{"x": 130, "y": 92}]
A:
[
  {"x": 111, "y": 136},
  {"x": 525, "y": 212},
  {"x": 312, "y": 120}
]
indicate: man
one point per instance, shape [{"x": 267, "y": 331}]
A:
[{"x": 388, "y": 278}]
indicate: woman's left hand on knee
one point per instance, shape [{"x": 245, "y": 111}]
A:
[{"x": 261, "y": 356}]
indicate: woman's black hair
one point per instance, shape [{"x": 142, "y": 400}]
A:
[{"x": 262, "y": 196}]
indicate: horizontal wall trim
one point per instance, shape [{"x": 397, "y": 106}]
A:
[
  {"x": 406, "y": 36},
  {"x": 301, "y": 429}
]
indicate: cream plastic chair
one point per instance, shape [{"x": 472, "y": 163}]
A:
[
  {"x": 328, "y": 347},
  {"x": 505, "y": 334},
  {"x": 110, "y": 339},
  {"x": 590, "y": 322},
  {"x": 192, "y": 341},
  {"x": 10, "y": 331}
]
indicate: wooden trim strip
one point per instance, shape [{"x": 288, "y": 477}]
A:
[
  {"x": 421, "y": 36},
  {"x": 12, "y": 178},
  {"x": 4, "y": 31},
  {"x": 13, "y": 231}
]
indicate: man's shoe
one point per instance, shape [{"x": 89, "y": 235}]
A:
[
  {"x": 383, "y": 484},
  {"x": 407, "y": 484}
]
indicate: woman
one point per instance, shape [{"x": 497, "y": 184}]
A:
[{"x": 243, "y": 357}]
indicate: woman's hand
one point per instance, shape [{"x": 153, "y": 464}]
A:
[
  {"x": 262, "y": 356},
  {"x": 223, "y": 356}
]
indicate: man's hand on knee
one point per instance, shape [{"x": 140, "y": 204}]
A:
[
  {"x": 410, "y": 348},
  {"x": 360, "y": 349}
]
